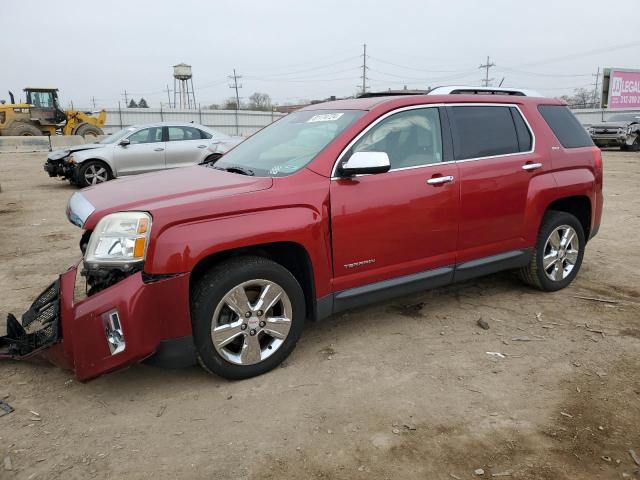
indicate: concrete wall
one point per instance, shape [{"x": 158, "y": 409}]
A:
[
  {"x": 588, "y": 116},
  {"x": 248, "y": 122},
  {"x": 41, "y": 144}
]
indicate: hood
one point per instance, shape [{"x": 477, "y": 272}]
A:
[
  {"x": 153, "y": 191},
  {"x": 63, "y": 152},
  {"x": 611, "y": 125}
]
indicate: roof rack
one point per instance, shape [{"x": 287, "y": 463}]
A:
[
  {"x": 468, "y": 90},
  {"x": 391, "y": 93}
]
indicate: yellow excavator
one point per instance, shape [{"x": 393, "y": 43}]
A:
[{"x": 41, "y": 115}]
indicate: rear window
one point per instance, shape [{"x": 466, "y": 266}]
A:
[
  {"x": 485, "y": 131},
  {"x": 566, "y": 127}
]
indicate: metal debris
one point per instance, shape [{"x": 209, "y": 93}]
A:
[
  {"x": 5, "y": 408},
  {"x": 483, "y": 324},
  {"x": 635, "y": 456},
  {"x": 566, "y": 414}
]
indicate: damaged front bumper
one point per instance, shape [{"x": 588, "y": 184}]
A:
[
  {"x": 138, "y": 318},
  {"x": 60, "y": 168}
]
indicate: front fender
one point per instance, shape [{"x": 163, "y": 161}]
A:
[{"x": 179, "y": 248}]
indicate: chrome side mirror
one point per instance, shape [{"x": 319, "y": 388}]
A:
[
  {"x": 362, "y": 163},
  {"x": 124, "y": 142}
]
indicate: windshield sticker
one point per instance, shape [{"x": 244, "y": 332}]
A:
[{"x": 325, "y": 117}]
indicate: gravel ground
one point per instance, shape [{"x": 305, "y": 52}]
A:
[{"x": 403, "y": 389}]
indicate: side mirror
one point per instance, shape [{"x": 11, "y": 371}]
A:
[
  {"x": 361, "y": 163},
  {"x": 124, "y": 142}
]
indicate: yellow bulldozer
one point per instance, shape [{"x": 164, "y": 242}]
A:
[{"x": 41, "y": 115}]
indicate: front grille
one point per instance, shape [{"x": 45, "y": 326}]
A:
[{"x": 40, "y": 324}]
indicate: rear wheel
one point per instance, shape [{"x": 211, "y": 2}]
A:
[
  {"x": 558, "y": 252},
  {"x": 247, "y": 314},
  {"x": 92, "y": 172},
  {"x": 20, "y": 129},
  {"x": 88, "y": 130}
]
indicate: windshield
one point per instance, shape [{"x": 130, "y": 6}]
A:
[
  {"x": 285, "y": 146},
  {"x": 117, "y": 136},
  {"x": 624, "y": 117}
]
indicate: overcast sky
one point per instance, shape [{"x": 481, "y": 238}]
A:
[{"x": 296, "y": 49}]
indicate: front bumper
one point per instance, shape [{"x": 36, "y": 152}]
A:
[
  {"x": 60, "y": 168},
  {"x": 609, "y": 140},
  {"x": 90, "y": 341}
]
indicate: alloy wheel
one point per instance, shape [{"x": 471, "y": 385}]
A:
[
  {"x": 251, "y": 322},
  {"x": 560, "y": 253},
  {"x": 95, "y": 174}
]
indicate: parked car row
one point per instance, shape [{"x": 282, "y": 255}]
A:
[
  {"x": 139, "y": 149},
  {"x": 334, "y": 206}
]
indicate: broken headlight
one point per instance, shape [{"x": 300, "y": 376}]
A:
[{"x": 119, "y": 240}]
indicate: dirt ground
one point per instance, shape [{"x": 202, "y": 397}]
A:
[{"x": 403, "y": 390}]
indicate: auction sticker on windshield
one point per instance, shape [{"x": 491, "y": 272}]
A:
[{"x": 325, "y": 117}]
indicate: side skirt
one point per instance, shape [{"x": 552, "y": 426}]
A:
[{"x": 407, "y": 284}]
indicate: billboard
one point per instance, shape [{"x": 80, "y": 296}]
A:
[{"x": 621, "y": 88}]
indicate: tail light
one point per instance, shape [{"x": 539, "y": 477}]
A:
[{"x": 597, "y": 164}]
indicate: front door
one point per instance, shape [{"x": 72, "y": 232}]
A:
[
  {"x": 403, "y": 221},
  {"x": 144, "y": 153}
]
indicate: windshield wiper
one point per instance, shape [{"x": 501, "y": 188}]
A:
[{"x": 235, "y": 169}]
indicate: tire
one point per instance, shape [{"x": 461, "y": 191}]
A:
[
  {"x": 88, "y": 130},
  {"x": 551, "y": 278},
  {"x": 92, "y": 172},
  {"x": 635, "y": 146},
  {"x": 20, "y": 129},
  {"x": 248, "y": 348}
]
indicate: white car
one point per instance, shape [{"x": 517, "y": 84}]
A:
[{"x": 139, "y": 149}]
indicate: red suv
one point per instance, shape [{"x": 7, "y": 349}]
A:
[{"x": 334, "y": 206}]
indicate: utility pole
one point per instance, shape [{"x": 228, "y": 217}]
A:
[
  {"x": 235, "y": 86},
  {"x": 93, "y": 100},
  {"x": 364, "y": 69},
  {"x": 485, "y": 81},
  {"x": 596, "y": 94},
  {"x": 169, "y": 95},
  {"x": 126, "y": 100}
]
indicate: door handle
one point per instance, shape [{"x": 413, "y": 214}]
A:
[
  {"x": 531, "y": 166},
  {"x": 159, "y": 149},
  {"x": 202, "y": 146},
  {"x": 440, "y": 180}
]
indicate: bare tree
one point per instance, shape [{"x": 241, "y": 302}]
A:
[
  {"x": 581, "y": 98},
  {"x": 230, "y": 104},
  {"x": 260, "y": 101}
]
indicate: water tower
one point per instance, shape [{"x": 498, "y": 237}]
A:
[{"x": 183, "y": 87}]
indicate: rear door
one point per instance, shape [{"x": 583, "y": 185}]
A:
[
  {"x": 185, "y": 146},
  {"x": 144, "y": 153},
  {"x": 495, "y": 151}
]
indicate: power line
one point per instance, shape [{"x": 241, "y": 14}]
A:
[
  {"x": 487, "y": 66},
  {"x": 581, "y": 55},
  {"x": 414, "y": 68}
]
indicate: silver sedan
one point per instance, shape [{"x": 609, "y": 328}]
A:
[{"x": 139, "y": 149}]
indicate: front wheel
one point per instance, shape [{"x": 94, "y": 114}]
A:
[
  {"x": 247, "y": 315},
  {"x": 558, "y": 252},
  {"x": 92, "y": 172}
]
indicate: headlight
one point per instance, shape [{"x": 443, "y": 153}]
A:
[
  {"x": 71, "y": 159},
  {"x": 119, "y": 240}
]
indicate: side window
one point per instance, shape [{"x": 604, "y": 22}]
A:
[
  {"x": 410, "y": 138},
  {"x": 524, "y": 134},
  {"x": 480, "y": 131},
  {"x": 565, "y": 126},
  {"x": 146, "y": 135},
  {"x": 205, "y": 135},
  {"x": 177, "y": 134}
]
